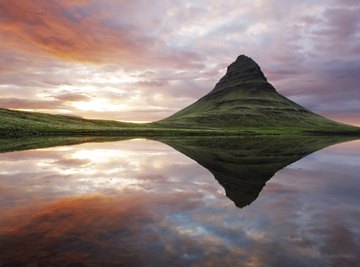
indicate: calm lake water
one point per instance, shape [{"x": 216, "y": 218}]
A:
[{"x": 143, "y": 203}]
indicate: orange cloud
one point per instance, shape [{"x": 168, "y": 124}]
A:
[
  {"x": 57, "y": 102},
  {"x": 18, "y": 103},
  {"x": 77, "y": 31},
  {"x": 59, "y": 29}
]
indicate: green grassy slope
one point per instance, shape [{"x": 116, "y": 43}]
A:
[
  {"x": 12, "y": 121},
  {"x": 244, "y": 98},
  {"x": 20, "y": 123}
]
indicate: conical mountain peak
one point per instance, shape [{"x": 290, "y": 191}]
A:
[
  {"x": 244, "y": 98},
  {"x": 243, "y": 70}
]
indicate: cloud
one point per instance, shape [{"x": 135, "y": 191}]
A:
[
  {"x": 71, "y": 97},
  {"x": 58, "y": 102},
  {"x": 58, "y": 30},
  {"x": 18, "y": 103},
  {"x": 79, "y": 32}
]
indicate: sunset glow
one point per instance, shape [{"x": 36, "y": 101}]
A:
[{"x": 136, "y": 61}]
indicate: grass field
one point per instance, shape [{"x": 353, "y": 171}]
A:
[{"x": 20, "y": 123}]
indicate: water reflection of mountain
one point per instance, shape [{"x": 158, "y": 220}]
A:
[{"x": 243, "y": 165}]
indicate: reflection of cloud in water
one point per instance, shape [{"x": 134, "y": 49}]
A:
[
  {"x": 176, "y": 214},
  {"x": 110, "y": 168},
  {"x": 161, "y": 230},
  {"x": 97, "y": 230}
]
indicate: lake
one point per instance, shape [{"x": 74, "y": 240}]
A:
[{"x": 264, "y": 201}]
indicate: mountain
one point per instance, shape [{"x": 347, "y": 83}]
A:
[
  {"x": 244, "y": 98},
  {"x": 243, "y": 165}
]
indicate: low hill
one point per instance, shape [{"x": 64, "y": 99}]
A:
[
  {"x": 13, "y": 121},
  {"x": 22, "y": 123}
]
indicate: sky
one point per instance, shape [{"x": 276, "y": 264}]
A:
[{"x": 144, "y": 60}]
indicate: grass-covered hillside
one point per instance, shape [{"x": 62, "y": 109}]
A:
[
  {"x": 21, "y": 123},
  {"x": 12, "y": 121},
  {"x": 244, "y": 98}
]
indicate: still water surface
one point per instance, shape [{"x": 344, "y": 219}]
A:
[{"x": 143, "y": 203}]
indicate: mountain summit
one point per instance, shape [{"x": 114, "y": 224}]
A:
[
  {"x": 243, "y": 70},
  {"x": 244, "y": 98}
]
